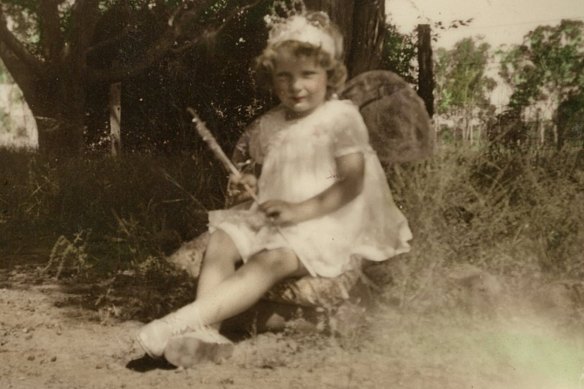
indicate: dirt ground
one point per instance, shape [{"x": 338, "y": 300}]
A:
[{"x": 48, "y": 340}]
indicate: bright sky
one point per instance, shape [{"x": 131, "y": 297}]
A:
[{"x": 500, "y": 21}]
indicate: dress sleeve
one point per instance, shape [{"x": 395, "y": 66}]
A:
[
  {"x": 256, "y": 149},
  {"x": 349, "y": 132},
  {"x": 247, "y": 151}
]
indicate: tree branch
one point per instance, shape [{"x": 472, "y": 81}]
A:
[
  {"x": 152, "y": 55},
  {"x": 211, "y": 34},
  {"x": 109, "y": 42},
  {"x": 16, "y": 47},
  {"x": 21, "y": 74},
  {"x": 178, "y": 23},
  {"x": 84, "y": 16},
  {"x": 51, "y": 37}
]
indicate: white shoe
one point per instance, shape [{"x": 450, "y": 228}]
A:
[
  {"x": 191, "y": 348},
  {"x": 154, "y": 336}
]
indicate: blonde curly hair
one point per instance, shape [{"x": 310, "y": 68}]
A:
[{"x": 335, "y": 68}]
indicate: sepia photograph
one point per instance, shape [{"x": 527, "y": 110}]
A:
[{"x": 295, "y": 194}]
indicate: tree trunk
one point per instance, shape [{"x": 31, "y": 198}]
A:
[
  {"x": 55, "y": 78},
  {"x": 55, "y": 86},
  {"x": 362, "y": 24},
  {"x": 60, "y": 137},
  {"x": 58, "y": 107},
  {"x": 368, "y": 36}
]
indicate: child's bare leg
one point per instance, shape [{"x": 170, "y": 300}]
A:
[
  {"x": 227, "y": 298},
  {"x": 233, "y": 295},
  {"x": 219, "y": 262},
  {"x": 248, "y": 284}
]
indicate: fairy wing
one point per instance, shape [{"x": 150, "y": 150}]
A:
[{"x": 400, "y": 128}]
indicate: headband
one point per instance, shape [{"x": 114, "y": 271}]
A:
[{"x": 299, "y": 28}]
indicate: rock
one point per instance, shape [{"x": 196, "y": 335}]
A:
[
  {"x": 189, "y": 256},
  {"x": 276, "y": 322},
  {"x": 280, "y": 307},
  {"x": 315, "y": 291},
  {"x": 306, "y": 291},
  {"x": 301, "y": 325}
]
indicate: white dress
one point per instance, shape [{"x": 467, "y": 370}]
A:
[{"x": 298, "y": 162}]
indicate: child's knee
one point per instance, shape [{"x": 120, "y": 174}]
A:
[
  {"x": 279, "y": 262},
  {"x": 221, "y": 246},
  {"x": 219, "y": 239}
]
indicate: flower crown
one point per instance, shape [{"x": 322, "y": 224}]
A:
[{"x": 300, "y": 26}]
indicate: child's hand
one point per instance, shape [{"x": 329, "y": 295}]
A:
[
  {"x": 236, "y": 187},
  {"x": 280, "y": 212}
]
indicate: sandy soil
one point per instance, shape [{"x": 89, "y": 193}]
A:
[{"x": 48, "y": 339}]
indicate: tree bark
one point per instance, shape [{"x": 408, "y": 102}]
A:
[
  {"x": 59, "y": 110},
  {"x": 362, "y": 24},
  {"x": 367, "y": 37}
]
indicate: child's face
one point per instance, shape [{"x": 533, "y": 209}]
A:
[{"x": 300, "y": 83}]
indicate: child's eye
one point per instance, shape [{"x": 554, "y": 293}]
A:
[{"x": 282, "y": 77}]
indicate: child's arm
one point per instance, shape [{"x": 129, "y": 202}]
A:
[
  {"x": 244, "y": 160},
  {"x": 350, "y": 170}
]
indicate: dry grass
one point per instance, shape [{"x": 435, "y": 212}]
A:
[
  {"x": 489, "y": 297},
  {"x": 491, "y": 294}
]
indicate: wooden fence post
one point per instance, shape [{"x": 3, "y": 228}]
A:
[
  {"x": 115, "y": 108},
  {"x": 425, "y": 72}
]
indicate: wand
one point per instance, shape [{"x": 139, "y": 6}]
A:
[
  {"x": 217, "y": 150},
  {"x": 220, "y": 154}
]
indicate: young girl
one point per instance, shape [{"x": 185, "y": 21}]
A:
[{"x": 323, "y": 199}]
